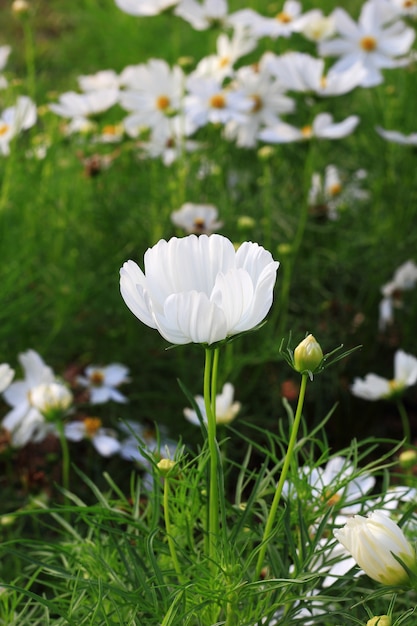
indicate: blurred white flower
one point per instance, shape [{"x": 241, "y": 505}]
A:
[
  {"x": 202, "y": 15},
  {"x": 4, "y": 55},
  {"x": 170, "y": 144},
  {"x": 396, "y": 137},
  {"x": 102, "y": 382},
  {"x": 315, "y": 26},
  {"x": 404, "y": 279},
  {"x": 405, "y": 7},
  {"x": 207, "y": 101},
  {"x": 25, "y": 421},
  {"x": 144, "y": 7},
  {"x": 6, "y": 376},
  {"x": 226, "y": 409},
  {"x": 228, "y": 51},
  {"x": 302, "y": 72},
  {"x": 81, "y": 105},
  {"x": 14, "y": 119},
  {"x": 154, "y": 95},
  {"x": 327, "y": 194},
  {"x": 51, "y": 399},
  {"x": 283, "y": 24},
  {"x": 322, "y": 127},
  {"x": 268, "y": 99},
  {"x": 375, "y": 542},
  {"x": 375, "y": 40},
  {"x": 103, "y": 439},
  {"x": 104, "y": 79},
  {"x": 197, "y": 218},
  {"x": 374, "y": 387},
  {"x": 200, "y": 289}
]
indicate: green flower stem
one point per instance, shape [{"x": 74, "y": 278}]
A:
[
  {"x": 168, "y": 528},
  {"x": 404, "y": 420},
  {"x": 30, "y": 56},
  {"x": 287, "y": 461},
  {"x": 210, "y": 376},
  {"x": 65, "y": 460}
]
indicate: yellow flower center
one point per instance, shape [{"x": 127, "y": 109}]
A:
[
  {"x": 307, "y": 131},
  {"x": 335, "y": 189},
  {"x": 92, "y": 424},
  {"x": 257, "y": 103},
  {"x": 323, "y": 82},
  {"x": 218, "y": 101},
  {"x": 199, "y": 223},
  {"x": 368, "y": 43},
  {"x": 3, "y": 128},
  {"x": 110, "y": 129},
  {"x": 96, "y": 378},
  {"x": 283, "y": 17},
  {"x": 224, "y": 61},
  {"x": 162, "y": 103},
  {"x": 396, "y": 386},
  {"x": 408, "y": 4}
]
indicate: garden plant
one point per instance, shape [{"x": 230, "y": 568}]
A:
[{"x": 208, "y": 368}]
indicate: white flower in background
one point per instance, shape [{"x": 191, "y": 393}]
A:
[
  {"x": 171, "y": 143},
  {"x": 327, "y": 194},
  {"x": 197, "y": 218},
  {"x": 226, "y": 409},
  {"x": 78, "y": 107},
  {"x": 14, "y": 119},
  {"x": 51, "y": 399},
  {"x": 374, "y": 40},
  {"x": 202, "y": 15},
  {"x": 405, "y": 7},
  {"x": 25, "y": 421},
  {"x": 6, "y": 376},
  {"x": 155, "y": 95},
  {"x": 322, "y": 127},
  {"x": 301, "y": 72},
  {"x": 207, "y": 101},
  {"x": 144, "y": 7},
  {"x": 339, "y": 484},
  {"x": 4, "y": 55},
  {"x": 104, "y": 79},
  {"x": 228, "y": 51},
  {"x": 200, "y": 289},
  {"x": 104, "y": 440},
  {"x": 268, "y": 98},
  {"x": 374, "y": 542},
  {"x": 395, "y": 136},
  {"x": 102, "y": 382},
  {"x": 374, "y": 387},
  {"x": 315, "y": 26},
  {"x": 283, "y": 24},
  {"x": 405, "y": 278}
]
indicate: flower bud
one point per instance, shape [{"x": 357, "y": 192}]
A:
[
  {"x": 51, "y": 399},
  {"x": 379, "y": 620},
  {"x": 308, "y": 355},
  {"x": 408, "y": 459},
  {"x": 379, "y": 547},
  {"x": 166, "y": 467}
]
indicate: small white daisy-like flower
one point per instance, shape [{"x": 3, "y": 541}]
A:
[
  {"x": 102, "y": 382},
  {"x": 104, "y": 440},
  {"x": 226, "y": 409},
  {"x": 197, "y": 218}
]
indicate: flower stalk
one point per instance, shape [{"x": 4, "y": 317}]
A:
[{"x": 287, "y": 461}]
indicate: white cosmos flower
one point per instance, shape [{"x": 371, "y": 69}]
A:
[
  {"x": 200, "y": 289},
  {"x": 315, "y": 26},
  {"x": 322, "y": 127},
  {"x": 168, "y": 142},
  {"x": 396, "y": 137},
  {"x": 268, "y": 98},
  {"x": 154, "y": 96},
  {"x": 103, "y": 439},
  {"x": 228, "y": 51},
  {"x": 283, "y": 24},
  {"x": 102, "y": 382},
  {"x": 374, "y": 387},
  {"x": 375, "y": 40},
  {"x": 6, "y": 376},
  {"x": 202, "y": 15},
  {"x": 374, "y": 542},
  {"x": 299, "y": 71},
  {"x": 104, "y": 79},
  {"x": 207, "y": 101},
  {"x": 405, "y": 7},
  {"x": 226, "y": 409},
  {"x": 25, "y": 421},
  {"x": 405, "y": 278},
  {"x": 144, "y": 7},
  {"x": 81, "y": 105},
  {"x": 14, "y": 119},
  {"x": 197, "y": 218},
  {"x": 51, "y": 399},
  {"x": 4, "y": 55}
]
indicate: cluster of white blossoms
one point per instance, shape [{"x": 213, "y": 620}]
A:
[
  {"x": 375, "y": 387},
  {"x": 166, "y": 107}
]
